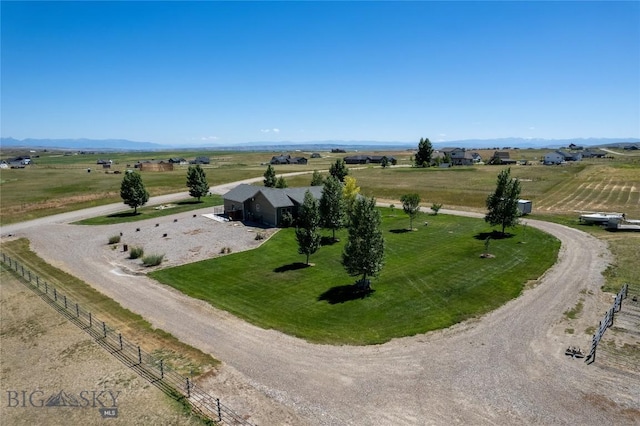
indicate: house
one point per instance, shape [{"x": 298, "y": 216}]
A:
[
  {"x": 200, "y": 160},
  {"x": 287, "y": 159},
  {"x": 357, "y": 159},
  {"x": 101, "y": 161},
  {"x": 501, "y": 157},
  {"x": 555, "y": 157},
  {"x": 338, "y": 151},
  {"x": 265, "y": 205},
  {"x": 461, "y": 157},
  {"x": 177, "y": 160},
  {"x": 316, "y": 155},
  {"x": 571, "y": 156},
  {"x": 377, "y": 159},
  {"x": 575, "y": 147},
  {"x": 593, "y": 153},
  {"x": 632, "y": 147}
]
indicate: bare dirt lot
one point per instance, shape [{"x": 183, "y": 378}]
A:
[
  {"x": 504, "y": 368},
  {"x": 44, "y": 356}
]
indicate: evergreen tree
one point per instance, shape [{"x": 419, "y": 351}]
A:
[
  {"x": 364, "y": 251},
  {"x": 197, "y": 182},
  {"x": 332, "y": 207},
  {"x": 339, "y": 170},
  {"x": 411, "y": 206},
  {"x": 424, "y": 154},
  {"x": 385, "y": 162},
  {"x": 502, "y": 205},
  {"x": 316, "y": 179},
  {"x": 269, "y": 177},
  {"x": 132, "y": 191},
  {"x": 307, "y": 226},
  {"x": 281, "y": 182}
]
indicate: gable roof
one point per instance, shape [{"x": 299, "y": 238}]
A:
[{"x": 277, "y": 197}]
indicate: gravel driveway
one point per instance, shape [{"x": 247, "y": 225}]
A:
[{"x": 507, "y": 367}]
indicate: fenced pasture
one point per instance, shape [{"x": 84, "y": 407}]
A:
[
  {"x": 149, "y": 366},
  {"x": 433, "y": 277}
]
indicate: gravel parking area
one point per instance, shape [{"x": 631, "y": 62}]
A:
[{"x": 504, "y": 368}]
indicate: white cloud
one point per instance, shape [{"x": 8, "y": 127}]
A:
[
  {"x": 532, "y": 128},
  {"x": 442, "y": 134},
  {"x": 209, "y": 138},
  {"x": 274, "y": 130}
]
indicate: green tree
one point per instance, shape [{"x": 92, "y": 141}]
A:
[
  {"x": 363, "y": 253},
  {"x": 384, "y": 162},
  {"x": 339, "y": 170},
  {"x": 269, "y": 177},
  {"x": 197, "y": 182},
  {"x": 424, "y": 154},
  {"x": 502, "y": 205},
  {"x": 411, "y": 206},
  {"x": 281, "y": 182},
  {"x": 332, "y": 207},
  {"x": 132, "y": 191},
  {"x": 307, "y": 226},
  {"x": 317, "y": 179}
]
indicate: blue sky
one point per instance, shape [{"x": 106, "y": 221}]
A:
[{"x": 228, "y": 72}]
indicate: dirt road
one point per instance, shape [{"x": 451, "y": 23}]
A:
[{"x": 507, "y": 367}]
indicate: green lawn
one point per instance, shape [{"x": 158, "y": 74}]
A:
[
  {"x": 150, "y": 212},
  {"x": 433, "y": 278}
]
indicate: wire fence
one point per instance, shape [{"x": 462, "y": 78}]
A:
[
  {"x": 148, "y": 366},
  {"x": 606, "y": 322}
]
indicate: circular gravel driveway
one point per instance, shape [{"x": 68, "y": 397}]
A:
[{"x": 506, "y": 367}]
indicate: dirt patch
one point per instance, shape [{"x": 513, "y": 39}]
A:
[{"x": 47, "y": 360}]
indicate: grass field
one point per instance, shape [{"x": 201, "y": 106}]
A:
[{"x": 433, "y": 278}]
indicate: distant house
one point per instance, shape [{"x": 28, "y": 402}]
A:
[
  {"x": 501, "y": 157},
  {"x": 461, "y": 157},
  {"x": 575, "y": 147},
  {"x": 632, "y": 147},
  {"x": 177, "y": 160},
  {"x": 316, "y": 155},
  {"x": 553, "y": 158},
  {"x": 357, "y": 159},
  {"x": 593, "y": 153},
  {"x": 265, "y": 205},
  {"x": 338, "y": 151},
  {"x": 200, "y": 160},
  {"x": 101, "y": 161},
  {"x": 287, "y": 159},
  {"x": 377, "y": 159}
]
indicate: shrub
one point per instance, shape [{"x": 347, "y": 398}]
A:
[
  {"x": 287, "y": 220},
  {"x": 114, "y": 239},
  {"x": 225, "y": 250},
  {"x": 152, "y": 259},
  {"x": 260, "y": 236},
  {"x": 136, "y": 252},
  {"x": 436, "y": 208}
]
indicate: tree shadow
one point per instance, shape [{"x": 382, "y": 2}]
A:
[
  {"x": 124, "y": 214},
  {"x": 328, "y": 241},
  {"x": 399, "y": 231},
  {"x": 189, "y": 202},
  {"x": 291, "y": 267},
  {"x": 494, "y": 235},
  {"x": 345, "y": 293}
]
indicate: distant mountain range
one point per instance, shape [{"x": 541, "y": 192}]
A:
[{"x": 127, "y": 145}]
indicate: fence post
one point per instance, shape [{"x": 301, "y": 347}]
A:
[
  {"x": 77, "y": 311},
  {"x": 139, "y": 356},
  {"x": 65, "y": 301},
  {"x": 22, "y": 267},
  {"x": 37, "y": 281},
  {"x": 188, "y": 388},
  {"x": 161, "y": 370},
  {"x": 55, "y": 294},
  {"x": 90, "y": 321},
  {"x": 104, "y": 329},
  {"x": 219, "y": 411},
  {"x": 120, "y": 339}
]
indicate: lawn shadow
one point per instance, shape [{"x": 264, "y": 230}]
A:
[
  {"x": 328, "y": 241},
  {"x": 399, "y": 231},
  {"x": 124, "y": 214},
  {"x": 291, "y": 267},
  {"x": 189, "y": 202},
  {"x": 345, "y": 293},
  {"x": 494, "y": 235}
]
